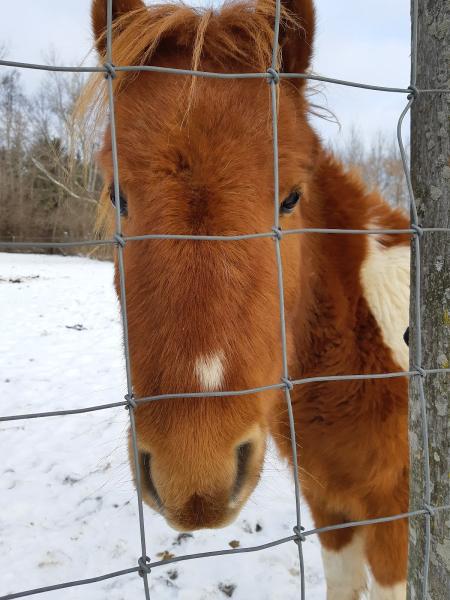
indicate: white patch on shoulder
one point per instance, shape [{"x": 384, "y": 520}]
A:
[
  {"x": 345, "y": 570},
  {"x": 209, "y": 371},
  {"x": 385, "y": 282},
  {"x": 393, "y": 592}
]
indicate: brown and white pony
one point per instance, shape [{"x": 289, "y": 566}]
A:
[{"x": 196, "y": 158}]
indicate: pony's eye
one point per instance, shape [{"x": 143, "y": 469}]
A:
[
  {"x": 122, "y": 199},
  {"x": 289, "y": 203}
]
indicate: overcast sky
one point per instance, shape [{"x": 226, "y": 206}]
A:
[{"x": 361, "y": 40}]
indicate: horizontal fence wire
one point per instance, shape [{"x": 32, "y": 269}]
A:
[
  {"x": 227, "y": 393},
  {"x": 123, "y": 239},
  {"x": 215, "y": 75},
  {"x": 286, "y": 384}
]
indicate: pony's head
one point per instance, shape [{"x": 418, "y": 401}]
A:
[{"x": 196, "y": 157}]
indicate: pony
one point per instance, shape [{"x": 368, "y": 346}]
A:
[{"x": 195, "y": 157}]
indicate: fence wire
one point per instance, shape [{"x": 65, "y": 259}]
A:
[{"x": 144, "y": 564}]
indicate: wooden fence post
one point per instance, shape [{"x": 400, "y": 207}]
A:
[{"x": 430, "y": 169}]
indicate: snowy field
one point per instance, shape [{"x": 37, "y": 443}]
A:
[{"x": 68, "y": 508}]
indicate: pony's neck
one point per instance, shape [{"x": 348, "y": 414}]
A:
[{"x": 331, "y": 309}]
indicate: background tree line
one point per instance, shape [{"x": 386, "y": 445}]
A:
[{"x": 49, "y": 183}]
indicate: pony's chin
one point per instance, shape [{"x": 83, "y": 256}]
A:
[
  {"x": 186, "y": 521},
  {"x": 186, "y": 525}
]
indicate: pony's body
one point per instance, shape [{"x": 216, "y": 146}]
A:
[
  {"x": 205, "y": 315},
  {"x": 352, "y": 435}
]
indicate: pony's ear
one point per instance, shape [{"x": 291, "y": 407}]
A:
[
  {"x": 99, "y": 17},
  {"x": 297, "y": 42}
]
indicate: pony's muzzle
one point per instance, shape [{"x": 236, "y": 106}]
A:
[{"x": 199, "y": 509}]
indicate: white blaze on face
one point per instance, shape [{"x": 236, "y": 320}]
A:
[
  {"x": 385, "y": 282},
  {"x": 209, "y": 371},
  {"x": 393, "y": 592}
]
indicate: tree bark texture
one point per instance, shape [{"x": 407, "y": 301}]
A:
[{"x": 430, "y": 169}]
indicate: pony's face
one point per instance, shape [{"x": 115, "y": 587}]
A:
[{"x": 203, "y": 316}]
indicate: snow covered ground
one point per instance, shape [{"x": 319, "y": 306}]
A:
[{"x": 68, "y": 508}]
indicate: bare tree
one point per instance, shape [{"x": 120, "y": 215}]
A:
[
  {"x": 379, "y": 164},
  {"x": 13, "y": 145},
  {"x": 49, "y": 183}
]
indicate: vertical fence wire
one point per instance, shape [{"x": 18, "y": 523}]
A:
[
  {"x": 417, "y": 278},
  {"x": 274, "y": 82},
  {"x": 417, "y": 310},
  {"x": 131, "y": 405},
  {"x": 273, "y": 77}
]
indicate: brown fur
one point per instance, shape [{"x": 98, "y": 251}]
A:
[{"x": 208, "y": 170}]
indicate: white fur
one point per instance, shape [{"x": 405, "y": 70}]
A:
[
  {"x": 209, "y": 371},
  {"x": 394, "y": 592},
  {"x": 345, "y": 570},
  {"x": 385, "y": 281}
]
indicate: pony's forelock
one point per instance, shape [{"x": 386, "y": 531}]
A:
[
  {"x": 239, "y": 31},
  {"x": 238, "y": 35}
]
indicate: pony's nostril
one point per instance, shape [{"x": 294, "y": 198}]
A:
[
  {"x": 243, "y": 453},
  {"x": 147, "y": 478}
]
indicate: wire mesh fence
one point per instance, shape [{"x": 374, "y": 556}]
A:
[{"x": 144, "y": 564}]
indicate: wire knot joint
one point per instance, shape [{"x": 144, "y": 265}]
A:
[
  {"x": 277, "y": 233},
  {"x": 274, "y": 76},
  {"x": 288, "y": 383},
  {"x": 299, "y": 536},
  {"x": 421, "y": 372},
  {"x": 429, "y": 510},
  {"x": 120, "y": 240},
  {"x": 144, "y": 567},
  {"x": 110, "y": 70},
  {"x": 131, "y": 402},
  {"x": 418, "y": 230},
  {"x": 413, "y": 92}
]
